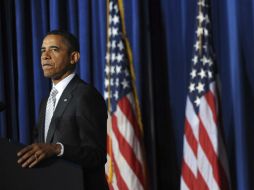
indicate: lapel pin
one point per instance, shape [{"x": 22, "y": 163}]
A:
[{"x": 65, "y": 100}]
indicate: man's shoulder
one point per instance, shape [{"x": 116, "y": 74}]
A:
[{"x": 84, "y": 87}]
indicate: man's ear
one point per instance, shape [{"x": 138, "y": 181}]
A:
[{"x": 75, "y": 57}]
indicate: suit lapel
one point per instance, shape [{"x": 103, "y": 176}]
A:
[
  {"x": 61, "y": 106},
  {"x": 41, "y": 121}
]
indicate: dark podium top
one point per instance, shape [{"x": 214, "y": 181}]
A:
[{"x": 51, "y": 174}]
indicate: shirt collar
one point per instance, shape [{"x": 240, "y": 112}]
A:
[{"x": 60, "y": 86}]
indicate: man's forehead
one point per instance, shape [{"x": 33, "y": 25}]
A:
[{"x": 52, "y": 40}]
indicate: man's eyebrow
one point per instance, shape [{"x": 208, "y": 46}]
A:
[{"x": 51, "y": 47}]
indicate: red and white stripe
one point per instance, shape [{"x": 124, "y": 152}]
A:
[
  {"x": 127, "y": 156},
  {"x": 204, "y": 159}
]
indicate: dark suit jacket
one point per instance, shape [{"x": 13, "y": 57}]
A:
[{"x": 80, "y": 124}]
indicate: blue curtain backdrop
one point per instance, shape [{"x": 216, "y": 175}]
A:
[{"x": 161, "y": 36}]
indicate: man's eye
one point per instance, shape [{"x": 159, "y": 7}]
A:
[{"x": 54, "y": 50}]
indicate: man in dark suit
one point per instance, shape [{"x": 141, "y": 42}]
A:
[{"x": 73, "y": 119}]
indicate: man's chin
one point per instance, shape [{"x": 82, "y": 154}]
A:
[
  {"x": 46, "y": 75},
  {"x": 51, "y": 76},
  {"x": 55, "y": 76}
]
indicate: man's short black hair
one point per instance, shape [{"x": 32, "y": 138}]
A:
[{"x": 69, "y": 38}]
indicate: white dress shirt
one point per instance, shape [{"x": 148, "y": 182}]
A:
[{"x": 60, "y": 88}]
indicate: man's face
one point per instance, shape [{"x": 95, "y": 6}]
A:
[{"x": 55, "y": 58}]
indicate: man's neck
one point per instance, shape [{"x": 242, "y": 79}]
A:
[{"x": 57, "y": 80}]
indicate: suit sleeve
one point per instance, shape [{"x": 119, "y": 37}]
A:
[
  {"x": 91, "y": 121},
  {"x": 37, "y": 136}
]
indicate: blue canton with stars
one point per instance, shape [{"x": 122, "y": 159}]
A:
[
  {"x": 118, "y": 79},
  {"x": 202, "y": 70}
]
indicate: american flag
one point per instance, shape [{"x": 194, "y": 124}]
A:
[
  {"x": 204, "y": 165},
  {"x": 125, "y": 168}
]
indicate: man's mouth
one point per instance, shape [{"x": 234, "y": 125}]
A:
[{"x": 47, "y": 65}]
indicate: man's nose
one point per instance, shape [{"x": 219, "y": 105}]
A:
[{"x": 45, "y": 55}]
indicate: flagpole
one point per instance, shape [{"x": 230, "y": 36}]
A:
[{"x": 110, "y": 176}]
